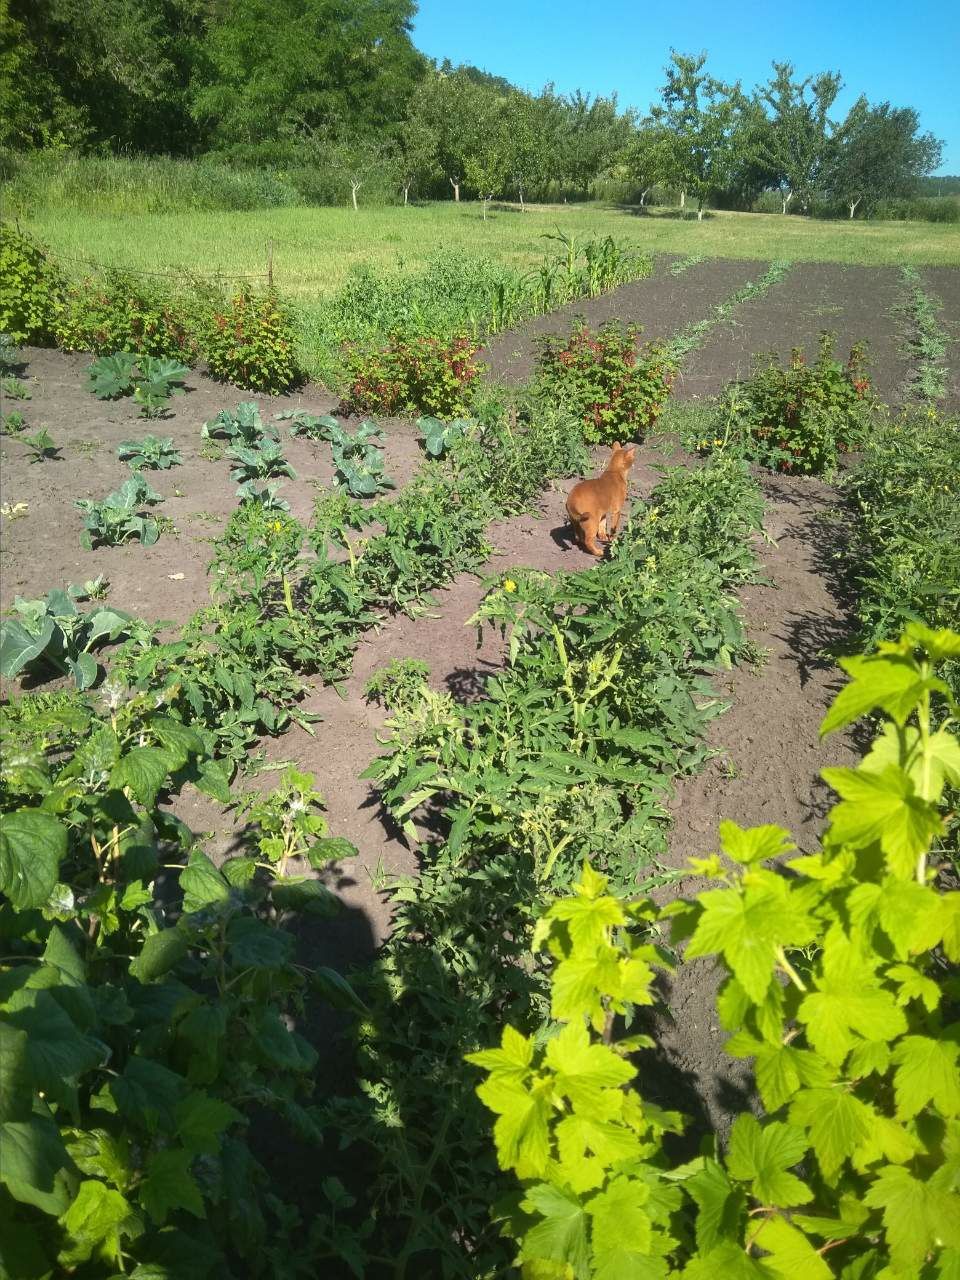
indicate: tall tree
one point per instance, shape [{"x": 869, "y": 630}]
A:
[
  {"x": 789, "y": 136},
  {"x": 651, "y": 158},
  {"x": 271, "y": 67},
  {"x": 111, "y": 73},
  {"x": 703, "y": 115},
  {"x": 879, "y": 151}
]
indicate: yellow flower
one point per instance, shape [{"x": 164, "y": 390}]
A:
[
  {"x": 509, "y": 585},
  {"x": 276, "y": 526},
  {"x": 718, "y": 443},
  {"x": 652, "y": 514},
  {"x": 651, "y": 562}
]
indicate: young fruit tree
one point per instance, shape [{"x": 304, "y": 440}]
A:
[
  {"x": 789, "y": 134},
  {"x": 877, "y": 152},
  {"x": 704, "y": 116}
]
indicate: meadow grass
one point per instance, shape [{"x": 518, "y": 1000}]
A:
[{"x": 314, "y": 247}]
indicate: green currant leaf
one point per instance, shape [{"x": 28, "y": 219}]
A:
[{"x": 762, "y": 1156}]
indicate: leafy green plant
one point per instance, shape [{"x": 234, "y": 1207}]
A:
[
  {"x": 359, "y": 463},
  {"x": 904, "y": 492},
  {"x": 802, "y": 418},
  {"x": 251, "y": 342},
  {"x": 397, "y": 684},
  {"x": 160, "y": 378},
  {"x": 831, "y": 992},
  {"x": 117, "y": 310},
  {"x": 54, "y": 633},
  {"x": 313, "y": 426},
  {"x": 29, "y": 287},
  {"x": 151, "y": 453},
  {"x": 41, "y": 445},
  {"x": 97, "y": 588},
  {"x": 440, "y": 437},
  {"x": 10, "y": 359},
  {"x": 13, "y": 423},
  {"x": 614, "y": 386},
  {"x": 413, "y": 375},
  {"x": 264, "y": 495},
  {"x": 242, "y": 424},
  {"x": 13, "y": 388},
  {"x": 261, "y": 461},
  {"x": 925, "y": 341},
  {"x": 142, "y": 1028},
  {"x": 151, "y": 379},
  {"x": 112, "y": 376},
  {"x": 116, "y": 519},
  {"x": 290, "y": 825}
]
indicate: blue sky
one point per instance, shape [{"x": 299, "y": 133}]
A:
[{"x": 908, "y": 53}]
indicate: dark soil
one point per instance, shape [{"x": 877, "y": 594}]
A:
[
  {"x": 766, "y": 769},
  {"x": 853, "y": 302},
  {"x": 661, "y": 304},
  {"x": 944, "y": 283},
  {"x": 168, "y": 580}
]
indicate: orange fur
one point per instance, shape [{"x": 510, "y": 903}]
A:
[{"x": 595, "y": 502}]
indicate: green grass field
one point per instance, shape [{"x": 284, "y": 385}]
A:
[{"x": 314, "y": 247}]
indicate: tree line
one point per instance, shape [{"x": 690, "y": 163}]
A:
[{"x": 342, "y": 87}]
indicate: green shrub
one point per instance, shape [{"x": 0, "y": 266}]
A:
[
  {"x": 800, "y": 419},
  {"x": 29, "y": 287},
  {"x": 834, "y": 991},
  {"x": 413, "y": 375},
  {"x": 117, "y": 311},
  {"x": 250, "y": 342},
  {"x": 614, "y": 386}
]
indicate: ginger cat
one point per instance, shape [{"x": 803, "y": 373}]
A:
[{"x": 593, "y": 502}]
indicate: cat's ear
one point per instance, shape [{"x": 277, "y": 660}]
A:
[
  {"x": 615, "y": 446},
  {"x": 631, "y": 452}
]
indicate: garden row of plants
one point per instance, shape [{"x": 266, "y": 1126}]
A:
[{"x": 259, "y": 341}]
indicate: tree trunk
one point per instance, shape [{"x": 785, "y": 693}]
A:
[
  {"x": 683, "y": 199},
  {"x": 785, "y": 201},
  {"x": 520, "y": 190},
  {"x": 699, "y": 208},
  {"x": 643, "y": 196},
  {"x": 455, "y": 183},
  {"x": 406, "y": 193},
  {"x": 354, "y": 188},
  {"x": 853, "y": 206}
]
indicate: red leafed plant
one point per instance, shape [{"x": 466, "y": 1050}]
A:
[
  {"x": 413, "y": 375},
  {"x": 613, "y": 384}
]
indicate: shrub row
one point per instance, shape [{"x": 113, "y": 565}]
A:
[{"x": 247, "y": 339}]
